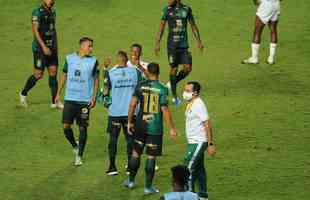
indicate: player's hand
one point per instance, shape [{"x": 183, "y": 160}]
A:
[
  {"x": 57, "y": 98},
  {"x": 157, "y": 49},
  {"x": 47, "y": 51},
  {"x": 107, "y": 62},
  {"x": 200, "y": 46},
  {"x": 173, "y": 133},
  {"x": 92, "y": 103},
  {"x": 211, "y": 150},
  {"x": 130, "y": 128}
]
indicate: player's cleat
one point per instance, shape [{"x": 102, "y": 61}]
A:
[
  {"x": 112, "y": 171},
  {"x": 76, "y": 151},
  {"x": 176, "y": 101},
  {"x": 250, "y": 60},
  {"x": 129, "y": 184},
  {"x": 270, "y": 61},
  {"x": 150, "y": 190},
  {"x": 168, "y": 85},
  {"x": 57, "y": 105},
  {"x": 23, "y": 100},
  {"x": 78, "y": 161}
]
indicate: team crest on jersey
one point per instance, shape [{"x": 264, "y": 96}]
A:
[
  {"x": 77, "y": 73},
  {"x": 39, "y": 63},
  {"x": 84, "y": 110}
]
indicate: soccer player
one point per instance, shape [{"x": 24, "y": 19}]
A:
[
  {"x": 151, "y": 96},
  {"x": 122, "y": 81},
  {"x": 178, "y": 16},
  {"x": 44, "y": 48},
  {"x": 135, "y": 59},
  {"x": 81, "y": 75},
  {"x": 180, "y": 177},
  {"x": 199, "y": 136},
  {"x": 268, "y": 12}
]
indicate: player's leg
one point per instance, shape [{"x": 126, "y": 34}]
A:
[
  {"x": 69, "y": 113},
  {"x": 185, "y": 58},
  {"x": 83, "y": 122},
  {"x": 129, "y": 140},
  {"x": 274, "y": 40},
  {"x": 52, "y": 62},
  {"x": 134, "y": 165},
  {"x": 112, "y": 146},
  {"x": 202, "y": 178},
  {"x": 32, "y": 80}
]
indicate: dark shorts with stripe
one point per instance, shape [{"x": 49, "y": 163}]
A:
[
  {"x": 41, "y": 61},
  {"x": 152, "y": 144},
  {"x": 179, "y": 57},
  {"x": 73, "y": 111}
]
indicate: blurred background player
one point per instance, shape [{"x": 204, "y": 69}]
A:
[
  {"x": 122, "y": 81},
  {"x": 178, "y": 16},
  {"x": 81, "y": 75},
  {"x": 268, "y": 12},
  {"x": 147, "y": 130},
  {"x": 180, "y": 177},
  {"x": 199, "y": 137},
  {"x": 135, "y": 59},
  {"x": 44, "y": 48}
]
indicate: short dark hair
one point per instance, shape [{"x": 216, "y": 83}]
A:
[
  {"x": 196, "y": 86},
  {"x": 85, "y": 39},
  {"x": 137, "y": 46},
  {"x": 180, "y": 175},
  {"x": 123, "y": 54},
  {"x": 153, "y": 68}
]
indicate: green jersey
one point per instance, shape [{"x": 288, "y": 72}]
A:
[
  {"x": 152, "y": 96},
  {"x": 45, "y": 19},
  {"x": 177, "y": 18}
]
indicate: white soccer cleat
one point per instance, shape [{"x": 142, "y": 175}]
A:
[
  {"x": 76, "y": 151},
  {"x": 250, "y": 60},
  {"x": 78, "y": 161},
  {"x": 176, "y": 101},
  {"x": 270, "y": 60},
  {"x": 23, "y": 100},
  {"x": 57, "y": 105}
]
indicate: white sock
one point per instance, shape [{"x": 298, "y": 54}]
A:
[
  {"x": 272, "y": 50},
  {"x": 255, "y": 50}
]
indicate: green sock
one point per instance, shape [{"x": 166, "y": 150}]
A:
[
  {"x": 134, "y": 165},
  {"x": 173, "y": 82},
  {"x": 149, "y": 172},
  {"x": 53, "y": 84},
  {"x": 181, "y": 75}
]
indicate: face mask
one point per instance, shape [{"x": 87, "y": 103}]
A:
[{"x": 187, "y": 96}]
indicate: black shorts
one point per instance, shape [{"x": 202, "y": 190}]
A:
[
  {"x": 42, "y": 61},
  {"x": 179, "y": 57},
  {"x": 153, "y": 144},
  {"x": 115, "y": 124},
  {"x": 78, "y": 112}
]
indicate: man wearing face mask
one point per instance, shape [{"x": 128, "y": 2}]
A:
[{"x": 199, "y": 137}]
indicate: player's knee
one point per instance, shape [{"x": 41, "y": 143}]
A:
[
  {"x": 173, "y": 71},
  {"x": 135, "y": 154},
  {"x": 38, "y": 75},
  {"x": 83, "y": 129},
  {"x": 67, "y": 126}
]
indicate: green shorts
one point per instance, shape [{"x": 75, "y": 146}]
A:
[
  {"x": 41, "y": 61},
  {"x": 153, "y": 144}
]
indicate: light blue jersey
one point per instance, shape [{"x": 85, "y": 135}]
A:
[
  {"x": 81, "y": 74},
  {"x": 122, "y": 84},
  {"x": 180, "y": 196}
]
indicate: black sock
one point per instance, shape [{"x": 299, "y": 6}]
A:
[
  {"x": 112, "y": 150},
  {"x": 53, "y": 84},
  {"x": 82, "y": 140},
  {"x": 134, "y": 165},
  {"x": 149, "y": 172},
  {"x": 29, "y": 84},
  {"x": 181, "y": 75},
  {"x": 173, "y": 82},
  {"x": 70, "y": 137}
]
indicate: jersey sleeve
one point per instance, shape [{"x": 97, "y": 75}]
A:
[
  {"x": 163, "y": 99},
  {"x": 96, "y": 71},
  {"x": 164, "y": 16},
  {"x": 202, "y": 112},
  {"x": 65, "y": 69},
  {"x": 35, "y": 17},
  {"x": 137, "y": 92}
]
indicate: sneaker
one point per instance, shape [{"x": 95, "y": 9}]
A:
[
  {"x": 150, "y": 190},
  {"x": 57, "y": 105},
  {"x": 176, "y": 101},
  {"x": 270, "y": 61},
  {"x": 23, "y": 100},
  {"x": 129, "y": 184},
  {"x": 112, "y": 171},
  {"x": 250, "y": 60},
  {"x": 78, "y": 161}
]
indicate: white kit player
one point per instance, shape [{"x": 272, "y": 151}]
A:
[{"x": 268, "y": 12}]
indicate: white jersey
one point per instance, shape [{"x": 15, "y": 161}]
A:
[
  {"x": 181, "y": 196},
  {"x": 196, "y": 114},
  {"x": 143, "y": 64},
  {"x": 269, "y": 10}
]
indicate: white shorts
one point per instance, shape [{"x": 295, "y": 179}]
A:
[{"x": 269, "y": 10}]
